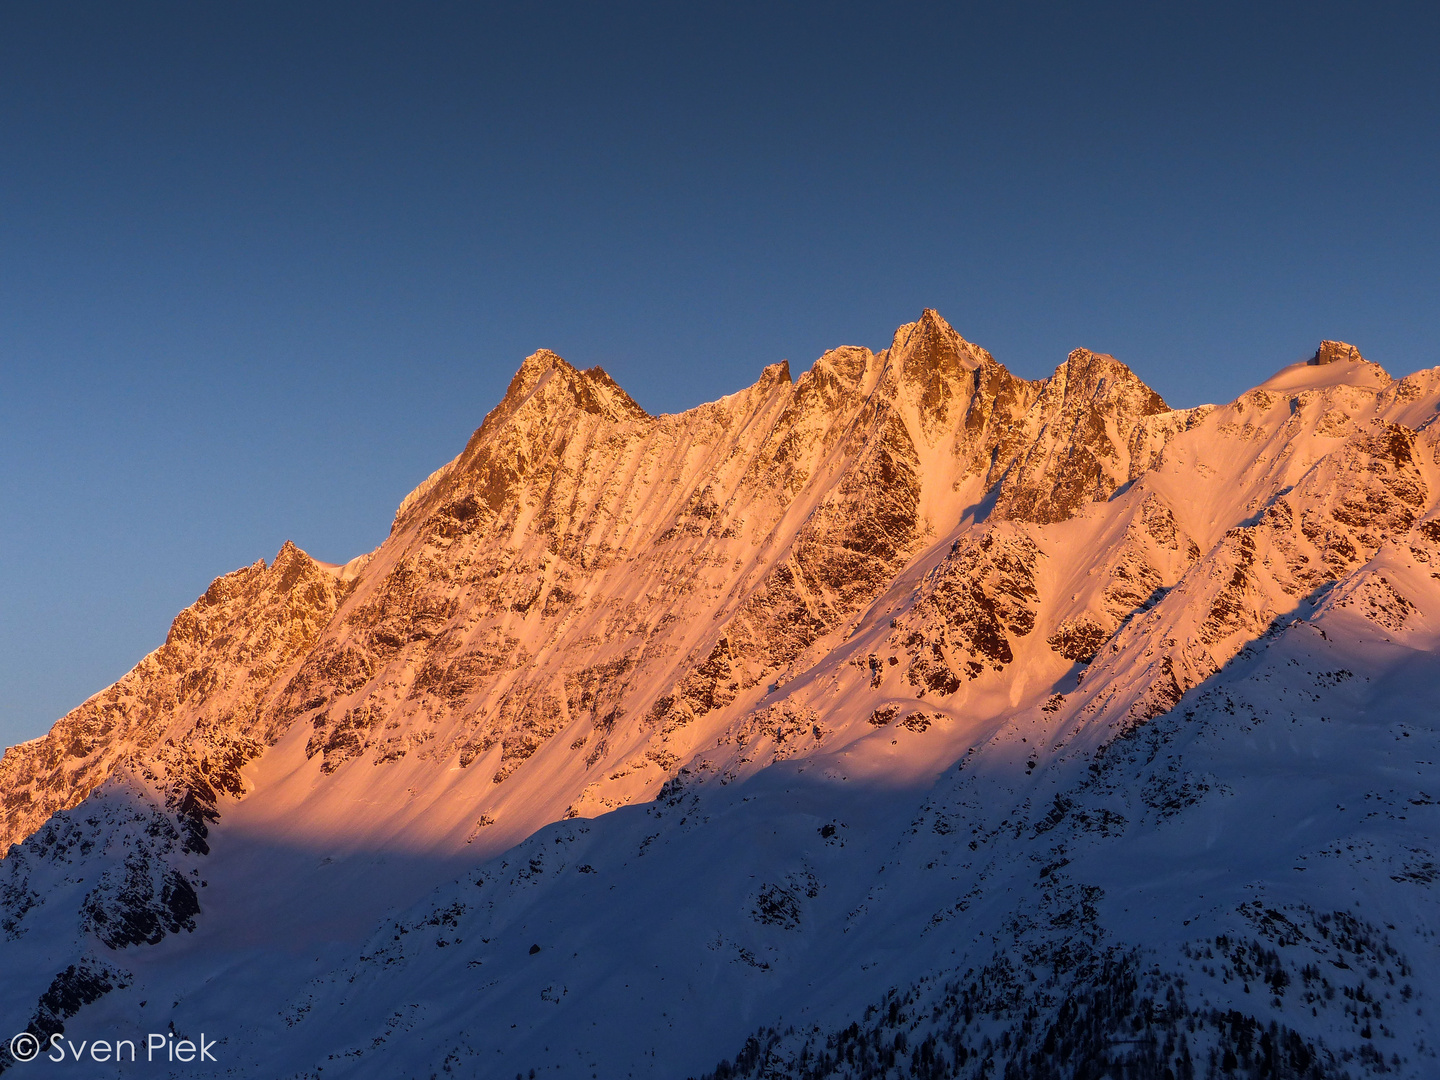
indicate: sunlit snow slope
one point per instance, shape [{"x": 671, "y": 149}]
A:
[{"x": 907, "y": 719}]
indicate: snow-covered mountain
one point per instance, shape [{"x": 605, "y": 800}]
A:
[{"x": 908, "y": 718}]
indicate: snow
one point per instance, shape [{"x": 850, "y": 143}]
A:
[{"x": 1307, "y": 376}]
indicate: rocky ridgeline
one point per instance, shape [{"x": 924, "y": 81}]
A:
[
  {"x": 557, "y": 551},
  {"x": 190, "y": 707},
  {"x": 589, "y": 581},
  {"x": 1370, "y": 487},
  {"x": 570, "y": 527}
]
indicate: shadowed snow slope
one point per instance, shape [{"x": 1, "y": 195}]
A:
[{"x": 909, "y": 719}]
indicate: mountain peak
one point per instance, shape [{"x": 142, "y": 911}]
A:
[
  {"x": 930, "y": 343},
  {"x": 929, "y": 353},
  {"x": 932, "y": 317},
  {"x": 533, "y": 368},
  {"x": 1097, "y": 375},
  {"x": 1331, "y": 351},
  {"x": 592, "y": 390},
  {"x": 1335, "y": 363}
]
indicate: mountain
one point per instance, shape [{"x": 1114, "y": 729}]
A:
[{"x": 907, "y": 718}]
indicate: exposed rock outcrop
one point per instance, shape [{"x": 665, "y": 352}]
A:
[{"x": 1330, "y": 352}]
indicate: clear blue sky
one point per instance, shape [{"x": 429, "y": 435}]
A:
[{"x": 264, "y": 267}]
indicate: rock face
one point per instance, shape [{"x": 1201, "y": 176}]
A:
[
  {"x": 191, "y": 705},
  {"x": 1087, "y": 433},
  {"x": 964, "y": 647},
  {"x": 1331, "y": 351}
]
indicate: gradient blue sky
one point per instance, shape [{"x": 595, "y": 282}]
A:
[{"x": 264, "y": 267}]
